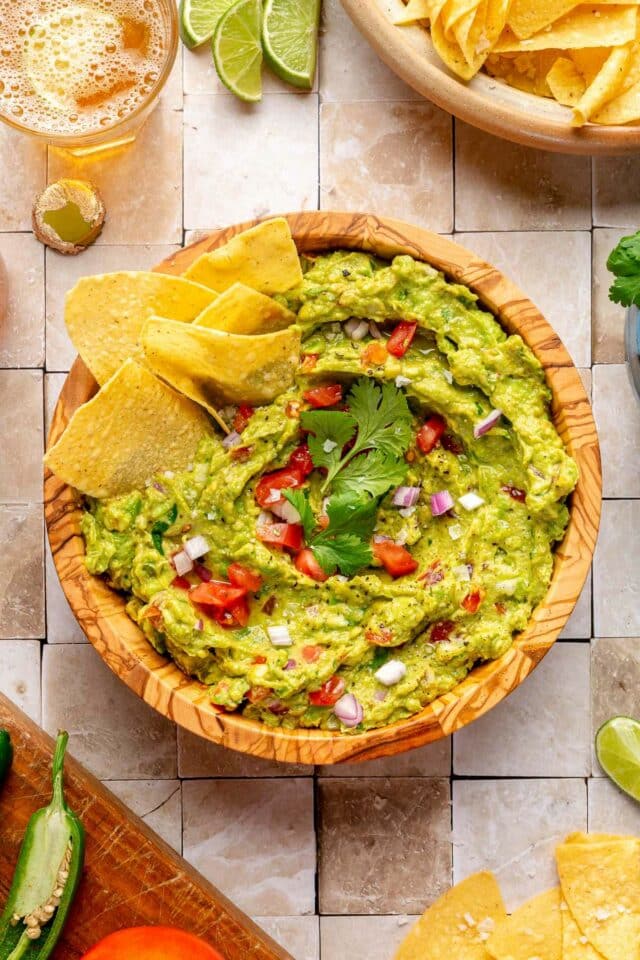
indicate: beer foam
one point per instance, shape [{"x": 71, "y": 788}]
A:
[{"x": 78, "y": 66}]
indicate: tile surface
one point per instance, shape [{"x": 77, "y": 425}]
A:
[
  {"x": 615, "y": 571},
  {"x": 21, "y": 434},
  {"x": 615, "y": 681},
  {"x": 618, "y": 420},
  {"x": 20, "y": 674},
  {"x": 362, "y": 938},
  {"x": 21, "y": 570},
  {"x": 22, "y": 330},
  {"x": 157, "y": 802}
]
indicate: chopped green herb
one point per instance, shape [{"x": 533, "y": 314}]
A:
[{"x": 160, "y": 527}]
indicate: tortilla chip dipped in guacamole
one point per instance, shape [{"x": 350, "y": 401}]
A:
[
  {"x": 243, "y": 310},
  {"x": 132, "y": 428},
  {"x": 105, "y": 314},
  {"x": 264, "y": 258}
]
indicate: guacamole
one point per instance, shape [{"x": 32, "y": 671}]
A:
[{"x": 297, "y": 627}]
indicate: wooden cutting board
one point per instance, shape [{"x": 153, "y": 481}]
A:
[{"x": 131, "y": 876}]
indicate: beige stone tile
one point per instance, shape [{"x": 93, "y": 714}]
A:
[
  {"x": 615, "y": 682},
  {"x": 616, "y": 612},
  {"x": 111, "y": 730},
  {"x": 608, "y": 317},
  {"x": 432, "y": 760},
  {"x": 21, "y": 435},
  {"x": 503, "y": 186},
  {"x": 141, "y": 184},
  {"x": 350, "y": 69},
  {"x": 200, "y": 76},
  {"x": 299, "y": 935},
  {"x": 579, "y": 623},
  {"x": 611, "y": 810},
  {"x": 157, "y": 802},
  {"x": 20, "y": 674},
  {"x": 255, "y": 840},
  {"x": 246, "y": 171},
  {"x": 542, "y": 730},
  {"x": 198, "y": 757},
  {"x": 537, "y": 263},
  {"x": 64, "y": 272},
  {"x": 362, "y": 938},
  {"x": 618, "y": 420},
  {"x": 22, "y": 330},
  {"x": 512, "y": 828},
  {"x": 616, "y": 191},
  {"x": 24, "y": 175},
  {"x": 375, "y": 837},
  {"x": 21, "y": 570},
  {"x": 390, "y": 157}
]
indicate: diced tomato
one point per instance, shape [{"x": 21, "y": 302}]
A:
[
  {"x": 240, "y": 611},
  {"x": 287, "y": 479},
  {"x": 309, "y": 361},
  {"x": 323, "y": 520},
  {"x": 326, "y": 396},
  {"x": 154, "y": 615},
  {"x": 328, "y": 694},
  {"x": 441, "y": 631},
  {"x": 311, "y": 653},
  {"x": 242, "y": 417},
  {"x": 244, "y": 577},
  {"x": 395, "y": 559},
  {"x": 241, "y": 453},
  {"x": 430, "y": 433},
  {"x": 452, "y": 444},
  {"x": 500, "y": 608},
  {"x": 216, "y": 593},
  {"x": 293, "y": 409},
  {"x": 432, "y": 575},
  {"x": 285, "y": 535},
  {"x": 203, "y": 572},
  {"x": 382, "y": 637},
  {"x": 306, "y": 563},
  {"x": 400, "y": 340},
  {"x": 374, "y": 354},
  {"x": 269, "y": 605},
  {"x": 181, "y": 582},
  {"x": 301, "y": 460},
  {"x": 514, "y": 492},
  {"x": 472, "y": 601},
  {"x": 256, "y": 694},
  {"x": 260, "y": 659}
]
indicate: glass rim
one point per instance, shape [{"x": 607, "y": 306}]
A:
[{"x": 101, "y": 134}]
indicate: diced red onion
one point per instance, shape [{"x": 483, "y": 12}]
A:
[
  {"x": 406, "y": 496},
  {"x": 483, "y": 426},
  {"x": 356, "y": 329},
  {"x": 507, "y": 586},
  {"x": 231, "y": 440},
  {"x": 374, "y": 330},
  {"x": 406, "y": 512},
  {"x": 201, "y": 571},
  {"x": 349, "y": 710},
  {"x": 380, "y": 695},
  {"x": 403, "y": 535},
  {"x": 401, "y": 381},
  {"x": 279, "y": 635},
  {"x": 277, "y": 707},
  {"x": 448, "y": 376},
  {"x": 290, "y": 665},
  {"x": 455, "y": 531},
  {"x": 463, "y": 572},
  {"x": 380, "y": 538},
  {"x": 470, "y": 501},
  {"x": 158, "y": 486},
  {"x": 441, "y": 502},
  {"x": 196, "y": 547},
  {"x": 275, "y": 494},
  {"x": 199, "y": 625},
  {"x": 264, "y": 517},
  {"x": 286, "y": 511},
  {"x": 391, "y": 672},
  {"x": 169, "y": 474},
  {"x": 182, "y": 562}
]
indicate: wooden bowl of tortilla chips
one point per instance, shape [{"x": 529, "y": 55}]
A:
[
  {"x": 553, "y": 74},
  {"x": 101, "y": 611}
]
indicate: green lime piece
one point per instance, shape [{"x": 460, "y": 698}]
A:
[
  {"x": 290, "y": 39},
  {"x": 618, "y": 752},
  {"x": 237, "y": 51},
  {"x": 199, "y": 19}
]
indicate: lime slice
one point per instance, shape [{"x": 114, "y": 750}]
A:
[
  {"x": 199, "y": 18},
  {"x": 618, "y": 752},
  {"x": 237, "y": 51},
  {"x": 290, "y": 39}
]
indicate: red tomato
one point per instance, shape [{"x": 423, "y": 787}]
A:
[
  {"x": 242, "y": 417},
  {"x": 301, "y": 460},
  {"x": 374, "y": 354},
  {"x": 400, "y": 340},
  {"x": 432, "y": 575},
  {"x": 326, "y": 396},
  {"x": 441, "y": 631},
  {"x": 500, "y": 608},
  {"x": 328, "y": 694},
  {"x": 309, "y": 361},
  {"x": 152, "y": 943},
  {"x": 215, "y": 593},
  {"x": 259, "y": 659},
  {"x": 382, "y": 637},
  {"x": 307, "y": 563},
  {"x": 395, "y": 559},
  {"x": 286, "y": 479},
  {"x": 472, "y": 601},
  {"x": 241, "y": 453},
  {"x": 285, "y": 535},
  {"x": 515, "y": 493},
  {"x": 244, "y": 577},
  {"x": 181, "y": 582},
  {"x": 430, "y": 433},
  {"x": 256, "y": 694},
  {"x": 239, "y": 610},
  {"x": 311, "y": 653}
]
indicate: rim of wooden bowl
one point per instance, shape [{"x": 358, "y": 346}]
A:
[
  {"x": 100, "y": 610},
  {"x": 484, "y": 102}
]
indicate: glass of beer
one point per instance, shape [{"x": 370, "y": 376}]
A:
[{"x": 84, "y": 74}]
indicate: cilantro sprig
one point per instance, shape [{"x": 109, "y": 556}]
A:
[
  {"x": 343, "y": 544},
  {"x": 624, "y": 263}
]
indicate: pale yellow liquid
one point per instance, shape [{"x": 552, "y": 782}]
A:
[{"x": 74, "y": 67}]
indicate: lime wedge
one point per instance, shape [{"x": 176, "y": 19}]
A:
[
  {"x": 618, "y": 752},
  {"x": 199, "y": 18},
  {"x": 237, "y": 51},
  {"x": 290, "y": 39}
]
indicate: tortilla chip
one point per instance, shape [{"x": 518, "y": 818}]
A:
[
  {"x": 566, "y": 82},
  {"x": 601, "y": 883},
  {"x": 456, "y": 12},
  {"x": 586, "y": 26},
  {"x": 466, "y": 47},
  {"x": 104, "y": 314},
  {"x": 526, "y": 71},
  {"x": 215, "y": 368},
  {"x": 533, "y": 930},
  {"x": 264, "y": 258},
  {"x": 622, "y": 109},
  {"x": 458, "y": 924},
  {"x": 133, "y": 427},
  {"x": 451, "y": 52},
  {"x": 589, "y": 61},
  {"x": 605, "y": 87},
  {"x": 527, "y": 17},
  {"x": 575, "y": 945},
  {"x": 414, "y": 10},
  {"x": 243, "y": 310}
]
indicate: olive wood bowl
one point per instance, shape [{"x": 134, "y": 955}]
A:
[
  {"x": 101, "y": 611},
  {"x": 484, "y": 102}
]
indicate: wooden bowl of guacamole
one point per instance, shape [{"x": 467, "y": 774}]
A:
[{"x": 395, "y": 527}]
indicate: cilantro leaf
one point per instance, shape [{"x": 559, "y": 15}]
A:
[
  {"x": 300, "y": 501},
  {"x": 626, "y": 290},
  {"x": 373, "y": 473},
  {"x": 383, "y": 415},
  {"x": 344, "y": 543},
  {"x": 351, "y": 513},
  {"x": 160, "y": 527},
  {"x": 331, "y": 429},
  {"x": 347, "y": 552},
  {"x": 624, "y": 259}
]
